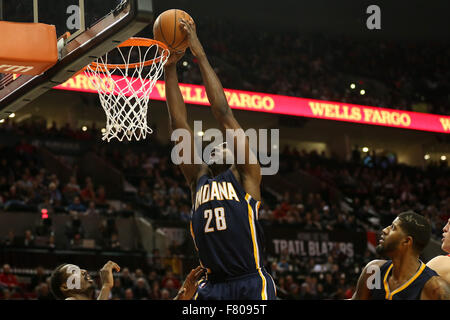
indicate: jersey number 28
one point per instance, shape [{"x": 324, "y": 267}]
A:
[{"x": 219, "y": 214}]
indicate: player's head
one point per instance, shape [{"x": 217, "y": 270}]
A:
[
  {"x": 409, "y": 232},
  {"x": 68, "y": 280},
  {"x": 446, "y": 237},
  {"x": 220, "y": 158}
]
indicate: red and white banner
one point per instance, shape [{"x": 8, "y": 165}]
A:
[{"x": 301, "y": 107}]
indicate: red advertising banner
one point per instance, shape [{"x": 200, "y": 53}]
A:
[{"x": 301, "y": 107}]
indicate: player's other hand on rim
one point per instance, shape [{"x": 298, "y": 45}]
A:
[
  {"x": 106, "y": 274},
  {"x": 194, "y": 43}
]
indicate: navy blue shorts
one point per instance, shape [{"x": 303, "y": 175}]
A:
[{"x": 256, "y": 286}]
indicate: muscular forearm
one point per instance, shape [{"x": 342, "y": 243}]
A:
[
  {"x": 214, "y": 89},
  {"x": 175, "y": 102},
  {"x": 104, "y": 293}
]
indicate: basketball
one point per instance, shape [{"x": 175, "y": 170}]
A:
[{"x": 167, "y": 29}]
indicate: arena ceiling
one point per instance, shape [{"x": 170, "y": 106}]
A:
[{"x": 400, "y": 19}]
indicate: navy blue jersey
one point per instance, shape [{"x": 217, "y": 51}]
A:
[
  {"x": 257, "y": 286},
  {"x": 225, "y": 228},
  {"x": 411, "y": 290}
]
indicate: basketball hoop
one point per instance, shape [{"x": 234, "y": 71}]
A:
[{"x": 124, "y": 80}]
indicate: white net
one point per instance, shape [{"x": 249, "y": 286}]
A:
[{"x": 124, "y": 79}]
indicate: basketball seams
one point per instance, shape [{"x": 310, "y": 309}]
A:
[
  {"x": 179, "y": 43},
  {"x": 182, "y": 40},
  {"x": 161, "y": 30},
  {"x": 174, "y": 29}
]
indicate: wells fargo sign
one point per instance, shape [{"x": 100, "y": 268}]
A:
[{"x": 262, "y": 102}]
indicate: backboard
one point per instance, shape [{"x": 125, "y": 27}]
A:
[{"x": 96, "y": 27}]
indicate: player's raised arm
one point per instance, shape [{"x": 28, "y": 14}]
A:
[
  {"x": 106, "y": 276},
  {"x": 178, "y": 117},
  {"x": 250, "y": 170}
]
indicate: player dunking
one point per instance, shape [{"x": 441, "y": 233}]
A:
[
  {"x": 404, "y": 277},
  {"x": 225, "y": 199},
  {"x": 441, "y": 264}
]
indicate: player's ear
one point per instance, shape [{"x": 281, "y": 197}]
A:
[{"x": 408, "y": 241}]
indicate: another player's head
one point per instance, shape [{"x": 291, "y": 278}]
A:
[
  {"x": 69, "y": 280},
  {"x": 446, "y": 237},
  {"x": 220, "y": 159},
  {"x": 409, "y": 233}
]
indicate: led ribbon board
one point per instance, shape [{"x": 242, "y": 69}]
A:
[{"x": 301, "y": 107}]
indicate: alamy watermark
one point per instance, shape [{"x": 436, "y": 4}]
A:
[
  {"x": 74, "y": 280},
  {"x": 374, "y": 20},
  {"x": 73, "y": 22},
  {"x": 374, "y": 280},
  {"x": 263, "y": 143}
]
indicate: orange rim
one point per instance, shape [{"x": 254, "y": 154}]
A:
[{"x": 132, "y": 42}]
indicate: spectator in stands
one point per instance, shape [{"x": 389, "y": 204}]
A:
[
  {"x": 305, "y": 292},
  {"x": 169, "y": 285},
  {"x": 7, "y": 278},
  {"x": 126, "y": 279},
  {"x": 279, "y": 213},
  {"x": 175, "y": 283},
  {"x": 108, "y": 228},
  {"x": 165, "y": 294},
  {"x": 74, "y": 229},
  {"x": 76, "y": 206},
  {"x": 153, "y": 278},
  {"x": 15, "y": 199},
  {"x": 38, "y": 278},
  {"x": 88, "y": 193},
  {"x": 117, "y": 290},
  {"x": 91, "y": 210},
  {"x": 283, "y": 266},
  {"x": 140, "y": 291},
  {"x": 129, "y": 294},
  {"x": 76, "y": 242},
  {"x": 329, "y": 285},
  {"x": 10, "y": 240},
  {"x": 28, "y": 239},
  {"x": 320, "y": 295},
  {"x": 101, "y": 196},
  {"x": 156, "y": 291},
  {"x": 55, "y": 195},
  {"x": 138, "y": 274},
  {"x": 71, "y": 189}
]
